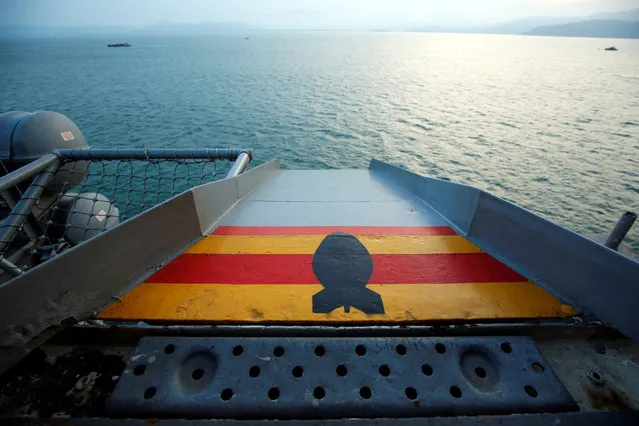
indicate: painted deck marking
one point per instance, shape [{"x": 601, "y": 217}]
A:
[
  {"x": 285, "y": 274},
  {"x": 282, "y": 269},
  {"x": 343, "y": 266}
]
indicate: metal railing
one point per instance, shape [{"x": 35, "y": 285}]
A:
[{"x": 69, "y": 196}]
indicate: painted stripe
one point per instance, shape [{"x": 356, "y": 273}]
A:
[
  {"x": 293, "y": 303},
  {"x": 307, "y": 244},
  {"x": 297, "y": 269},
  {"x": 325, "y": 230}
]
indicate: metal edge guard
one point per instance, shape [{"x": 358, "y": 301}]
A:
[
  {"x": 88, "y": 277},
  {"x": 579, "y": 271}
]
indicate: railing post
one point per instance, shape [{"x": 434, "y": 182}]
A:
[
  {"x": 10, "y": 268},
  {"x": 240, "y": 165},
  {"x": 18, "y": 216},
  {"x": 23, "y": 173},
  {"x": 620, "y": 230},
  {"x": 28, "y": 228}
]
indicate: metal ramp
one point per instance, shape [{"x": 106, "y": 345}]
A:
[
  {"x": 270, "y": 246},
  {"x": 257, "y": 265}
]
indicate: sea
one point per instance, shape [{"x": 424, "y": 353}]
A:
[{"x": 551, "y": 124}]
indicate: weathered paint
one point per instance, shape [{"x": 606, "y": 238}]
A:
[
  {"x": 307, "y": 244},
  {"x": 256, "y": 274},
  {"x": 293, "y": 303},
  {"x": 325, "y": 230},
  {"x": 296, "y": 269}
]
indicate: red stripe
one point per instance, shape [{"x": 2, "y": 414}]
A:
[
  {"x": 297, "y": 269},
  {"x": 325, "y": 230}
]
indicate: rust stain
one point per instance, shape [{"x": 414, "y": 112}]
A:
[
  {"x": 257, "y": 314},
  {"x": 607, "y": 399}
]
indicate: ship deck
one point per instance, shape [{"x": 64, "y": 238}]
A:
[{"x": 332, "y": 294}]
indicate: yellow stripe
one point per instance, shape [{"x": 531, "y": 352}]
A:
[
  {"x": 293, "y": 303},
  {"x": 307, "y": 244}
]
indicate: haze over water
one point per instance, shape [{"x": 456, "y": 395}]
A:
[{"x": 549, "y": 123}]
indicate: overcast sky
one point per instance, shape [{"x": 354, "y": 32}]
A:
[{"x": 273, "y": 14}]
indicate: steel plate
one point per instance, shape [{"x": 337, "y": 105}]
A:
[{"x": 336, "y": 377}]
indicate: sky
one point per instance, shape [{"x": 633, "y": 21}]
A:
[{"x": 293, "y": 14}]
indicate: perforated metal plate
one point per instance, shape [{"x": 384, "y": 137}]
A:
[{"x": 336, "y": 377}]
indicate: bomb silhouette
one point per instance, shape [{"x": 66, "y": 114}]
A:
[{"x": 343, "y": 266}]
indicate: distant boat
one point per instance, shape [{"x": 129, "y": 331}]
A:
[
  {"x": 125, "y": 44},
  {"x": 611, "y": 48}
]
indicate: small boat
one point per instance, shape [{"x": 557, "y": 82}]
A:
[
  {"x": 125, "y": 44},
  {"x": 611, "y": 48}
]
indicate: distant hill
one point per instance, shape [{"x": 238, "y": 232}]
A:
[
  {"x": 517, "y": 26},
  {"x": 626, "y": 15},
  {"x": 520, "y": 26},
  {"x": 538, "y": 24},
  {"x": 612, "y": 24},
  {"x": 601, "y": 28}
]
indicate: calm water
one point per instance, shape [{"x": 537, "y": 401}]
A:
[{"x": 549, "y": 123}]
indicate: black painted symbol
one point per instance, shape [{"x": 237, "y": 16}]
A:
[{"x": 343, "y": 266}]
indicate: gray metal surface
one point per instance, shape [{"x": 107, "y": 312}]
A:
[
  {"x": 207, "y": 197},
  {"x": 600, "y": 372},
  {"x": 25, "y": 137},
  {"x": 330, "y": 197},
  {"x": 327, "y": 185},
  {"x": 8, "y": 122},
  {"x": 249, "y": 182},
  {"x": 20, "y": 175},
  {"x": 86, "y": 215},
  {"x": 337, "y": 377},
  {"x": 40, "y": 132},
  {"x": 579, "y": 271},
  {"x": 86, "y": 277}
]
